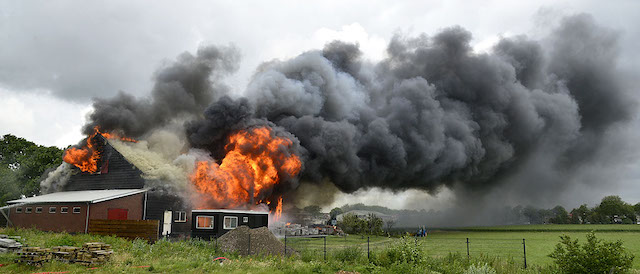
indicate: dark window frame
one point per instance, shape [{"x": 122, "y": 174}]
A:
[
  {"x": 39, "y": 209},
  {"x": 206, "y": 217},
  {"x": 52, "y": 209},
  {"x": 182, "y": 217},
  {"x": 224, "y": 223},
  {"x": 64, "y": 209},
  {"x": 28, "y": 210},
  {"x": 78, "y": 210}
]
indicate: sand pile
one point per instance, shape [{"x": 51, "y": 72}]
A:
[{"x": 262, "y": 242}]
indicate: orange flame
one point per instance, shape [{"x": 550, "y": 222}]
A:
[
  {"x": 86, "y": 157},
  {"x": 254, "y": 164},
  {"x": 278, "y": 209}
]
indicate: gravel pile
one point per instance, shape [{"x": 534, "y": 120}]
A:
[{"x": 262, "y": 242}]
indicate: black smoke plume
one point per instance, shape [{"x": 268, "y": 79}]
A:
[{"x": 433, "y": 113}]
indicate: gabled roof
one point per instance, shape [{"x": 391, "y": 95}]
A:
[{"x": 85, "y": 196}]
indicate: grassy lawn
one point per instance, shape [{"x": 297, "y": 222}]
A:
[
  {"x": 506, "y": 241},
  {"x": 550, "y": 227},
  {"x": 500, "y": 247}
]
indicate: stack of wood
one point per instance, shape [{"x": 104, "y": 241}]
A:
[
  {"x": 34, "y": 255},
  {"x": 93, "y": 254},
  {"x": 65, "y": 253},
  {"x": 8, "y": 244}
]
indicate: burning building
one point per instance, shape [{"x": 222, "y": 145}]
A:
[
  {"x": 102, "y": 183},
  {"x": 527, "y": 116}
]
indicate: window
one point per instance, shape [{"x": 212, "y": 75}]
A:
[
  {"x": 230, "y": 222},
  {"x": 204, "y": 222},
  {"x": 28, "y": 210},
  {"x": 76, "y": 209},
  {"x": 181, "y": 217},
  {"x": 64, "y": 209},
  {"x": 52, "y": 209},
  {"x": 18, "y": 210},
  {"x": 245, "y": 219},
  {"x": 39, "y": 209}
]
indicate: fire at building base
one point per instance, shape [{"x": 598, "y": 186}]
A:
[{"x": 116, "y": 194}]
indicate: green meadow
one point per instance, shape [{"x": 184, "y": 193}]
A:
[{"x": 444, "y": 250}]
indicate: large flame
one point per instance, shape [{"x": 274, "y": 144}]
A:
[
  {"x": 255, "y": 162},
  {"x": 87, "y": 156}
]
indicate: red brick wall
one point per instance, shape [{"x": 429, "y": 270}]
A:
[
  {"x": 74, "y": 222},
  {"x": 133, "y": 203},
  {"x": 69, "y": 222}
]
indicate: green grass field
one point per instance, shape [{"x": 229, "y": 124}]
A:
[
  {"x": 502, "y": 241},
  {"x": 501, "y": 247},
  {"x": 508, "y": 244}
]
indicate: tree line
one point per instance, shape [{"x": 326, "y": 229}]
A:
[
  {"x": 610, "y": 210},
  {"x": 22, "y": 165}
]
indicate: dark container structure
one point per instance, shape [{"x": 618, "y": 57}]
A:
[{"x": 213, "y": 223}]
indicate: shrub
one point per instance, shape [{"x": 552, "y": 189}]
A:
[
  {"x": 349, "y": 254},
  {"x": 595, "y": 256},
  {"x": 405, "y": 250},
  {"x": 480, "y": 269}
]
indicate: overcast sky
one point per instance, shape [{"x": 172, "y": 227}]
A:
[{"x": 55, "y": 56}]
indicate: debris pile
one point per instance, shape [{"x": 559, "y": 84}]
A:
[
  {"x": 90, "y": 254},
  {"x": 34, "y": 255},
  {"x": 64, "y": 253},
  {"x": 9, "y": 243},
  {"x": 93, "y": 254},
  {"x": 246, "y": 241}
]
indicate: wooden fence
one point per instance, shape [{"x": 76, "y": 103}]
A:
[{"x": 131, "y": 229}]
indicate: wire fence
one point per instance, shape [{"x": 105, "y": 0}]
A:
[{"x": 325, "y": 247}]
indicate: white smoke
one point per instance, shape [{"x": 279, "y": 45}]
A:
[{"x": 56, "y": 179}]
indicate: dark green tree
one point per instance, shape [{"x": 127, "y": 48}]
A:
[
  {"x": 612, "y": 206},
  {"x": 561, "y": 216},
  {"x": 579, "y": 215},
  {"x": 22, "y": 164}
]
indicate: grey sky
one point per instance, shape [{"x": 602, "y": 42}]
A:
[{"x": 56, "y": 56}]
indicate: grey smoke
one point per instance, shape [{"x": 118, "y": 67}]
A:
[
  {"x": 433, "y": 113},
  {"x": 182, "y": 89}
]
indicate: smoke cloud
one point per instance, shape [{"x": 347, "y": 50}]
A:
[{"x": 432, "y": 114}]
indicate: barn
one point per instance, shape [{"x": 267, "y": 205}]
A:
[
  {"x": 71, "y": 211},
  {"x": 116, "y": 191}
]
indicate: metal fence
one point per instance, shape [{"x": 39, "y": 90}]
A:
[{"x": 324, "y": 247}]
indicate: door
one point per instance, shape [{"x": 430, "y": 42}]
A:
[
  {"x": 166, "y": 224},
  {"x": 117, "y": 213}
]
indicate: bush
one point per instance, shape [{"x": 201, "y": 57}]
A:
[
  {"x": 349, "y": 254},
  {"x": 595, "y": 256},
  {"x": 404, "y": 250},
  {"x": 480, "y": 269}
]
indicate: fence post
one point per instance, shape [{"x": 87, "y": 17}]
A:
[
  {"x": 249, "y": 236},
  {"x": 524, "y": 250},
  {"x": 368, "y": 258},
  {"x": 468, "y": 255},
  {"x": 285, "y": 244},
  {"x": 325, "y": 248}
]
